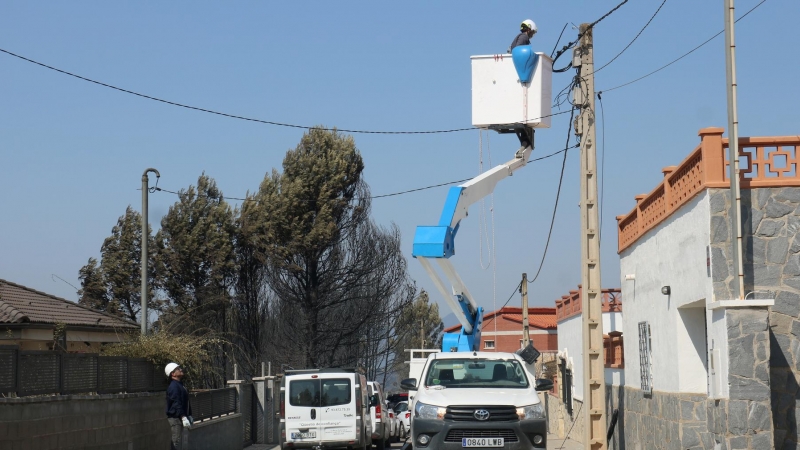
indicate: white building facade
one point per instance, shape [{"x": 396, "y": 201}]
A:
[{"x": 704, "y": 370}]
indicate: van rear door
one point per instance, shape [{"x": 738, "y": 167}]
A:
[
  {"x": 338, "y": 407},
  {"x": 303, "y": 412}
]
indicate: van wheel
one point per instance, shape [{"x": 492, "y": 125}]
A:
[{"x": 380, "y": 444}]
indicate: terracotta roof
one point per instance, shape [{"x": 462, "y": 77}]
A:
[
  {"x": 20, "y": 304},
  {"x": 544, "y": 318}
]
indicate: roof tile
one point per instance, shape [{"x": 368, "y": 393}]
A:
[{"x": 20, "y": 304}]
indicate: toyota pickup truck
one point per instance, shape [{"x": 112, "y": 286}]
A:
[{"x": 477, "y": 400}]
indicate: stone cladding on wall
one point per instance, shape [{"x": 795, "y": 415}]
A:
[{"x": 771, "y": 254}]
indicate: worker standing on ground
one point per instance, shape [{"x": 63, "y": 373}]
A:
[
  {"x": 526, "y": 31},
  {"x": 179, "y": 411}
]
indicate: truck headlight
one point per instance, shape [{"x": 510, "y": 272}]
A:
[
  {"x": 531, "y": 412},
  {"x": 424, "y": 411}
]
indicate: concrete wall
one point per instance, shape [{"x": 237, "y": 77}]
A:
[
  {"x": 771, "y": 253},
  {"x": 121, "y": 421},
  {"x": 671, "y": 254},
  {"x": 223, "y": 433}
]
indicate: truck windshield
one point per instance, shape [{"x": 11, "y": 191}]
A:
[{"x": 476, "y": 373}]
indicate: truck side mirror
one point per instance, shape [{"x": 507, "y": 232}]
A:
[
  {"x": 543, "y": 384},
  {"x": 409, "y": 384}
]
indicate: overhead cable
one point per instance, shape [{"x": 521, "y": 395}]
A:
[
  {"x": 235, "y": 116},
  {"x": 684, "y": 55},
  {"x": 558, "y": 195},
  {"x": 580, "y": 35},
  {"x": 408, "y": 191},
  {"x": 633, "y": 40}
]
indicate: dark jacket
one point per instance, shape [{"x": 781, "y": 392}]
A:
[
  {"x": 521, "y": 39},
  {"x": 178, "y": 401}
]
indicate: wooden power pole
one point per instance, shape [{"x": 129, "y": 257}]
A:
[
  {"x": 526, "y": 335},
  {"x": 594, "y": 388}
]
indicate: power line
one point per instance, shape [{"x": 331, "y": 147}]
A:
[
  {"x": 685, "y": 54},
  {"x": 634, "y": 39},
  {"x": 580, "y": 35},
  {"x": 558, "y": 195},
  {"x": 234, "y": 116},
  {"x": 408, "y": 191},
  {"x": 516, "y": 289}
]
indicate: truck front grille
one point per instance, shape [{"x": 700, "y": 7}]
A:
[
  {"x": 456, "y": 435},
  {"x": 467, "y": 413}
]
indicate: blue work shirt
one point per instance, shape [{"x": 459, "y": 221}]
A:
[
  {"x": 178, "y": 401},
  {"x": 521, "y": 39}
]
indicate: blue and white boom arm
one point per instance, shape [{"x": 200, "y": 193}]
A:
[{"x": 437, "y": 243}]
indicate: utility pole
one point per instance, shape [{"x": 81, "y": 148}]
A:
[
  {"x": 145, "y": 236},
  {"x": 733, "y": 149},
  {"x": 526, "y": 335},
  {"x": 594, "y": 388}
]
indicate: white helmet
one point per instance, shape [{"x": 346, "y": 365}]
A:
[
  {"x": 529, "y": 24},
  {"x": 170, "y": 368}
]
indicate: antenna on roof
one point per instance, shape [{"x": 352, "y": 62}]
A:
[{"x": 54, "y": 276}]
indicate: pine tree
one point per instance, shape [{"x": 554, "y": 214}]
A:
[
  {"x": 195, "y": 252},
  {"x": 115, "y": 286}
]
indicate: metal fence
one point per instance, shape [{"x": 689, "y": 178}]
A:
[
  {"x": 248, "y": 413},
  {"x": 212, "y": 403},
  {"x": 25, "y": 373}
]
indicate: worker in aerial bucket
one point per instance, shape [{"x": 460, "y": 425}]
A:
[{"x": 526, "y": 32}]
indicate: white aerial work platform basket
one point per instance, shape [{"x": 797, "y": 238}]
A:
[{"x": 499, "y": 99}]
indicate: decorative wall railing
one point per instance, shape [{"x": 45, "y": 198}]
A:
[
  {"x": 764, "y": 162},
  {"x": 570, "y": 305},
  {"x": 614, "y": 350}
]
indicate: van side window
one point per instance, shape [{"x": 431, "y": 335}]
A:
[
  {"x": 304, "y": 393},
  {"x": 336, "y": 391}
]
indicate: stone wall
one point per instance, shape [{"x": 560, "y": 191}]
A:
[
  {"x": 771, "y": 254},
  {"x": 667, "y": 421},
  {"x": 121, "y": 421},
  {"x": 561, "y": 423}
]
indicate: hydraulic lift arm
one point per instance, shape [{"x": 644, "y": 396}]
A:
[{"x": 437, "y": 243}]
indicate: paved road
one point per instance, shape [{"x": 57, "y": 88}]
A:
[{"x": 552, "y": 444}]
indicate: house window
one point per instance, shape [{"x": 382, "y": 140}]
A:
[
  {"x": 566, "y": 386},
  {"x": 645, "y": 367},
  {"x": 488, "y": 344}
]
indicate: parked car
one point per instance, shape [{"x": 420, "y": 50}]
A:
[
  {"x": 394, "y": 422},
  {"x": 379, "y": 412},
  {"x": 394, "y": 399},
  {"x": 404, "y": 415},
  {"x": 324, "y": 408}
]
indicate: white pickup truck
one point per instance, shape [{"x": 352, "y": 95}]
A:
[{"x": 477, "y": 400}]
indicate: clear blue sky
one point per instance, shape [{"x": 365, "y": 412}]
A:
[{"x": 72, "y": 153}]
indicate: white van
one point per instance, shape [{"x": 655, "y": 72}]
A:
[{"x": 326, "y": 408}]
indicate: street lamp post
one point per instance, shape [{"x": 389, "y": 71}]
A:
[{"x": 145, "y": 238}]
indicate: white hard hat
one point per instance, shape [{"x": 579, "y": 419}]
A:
[
  {"x": 170, "y": 368},
  {"x": 529, "y": 24}
]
